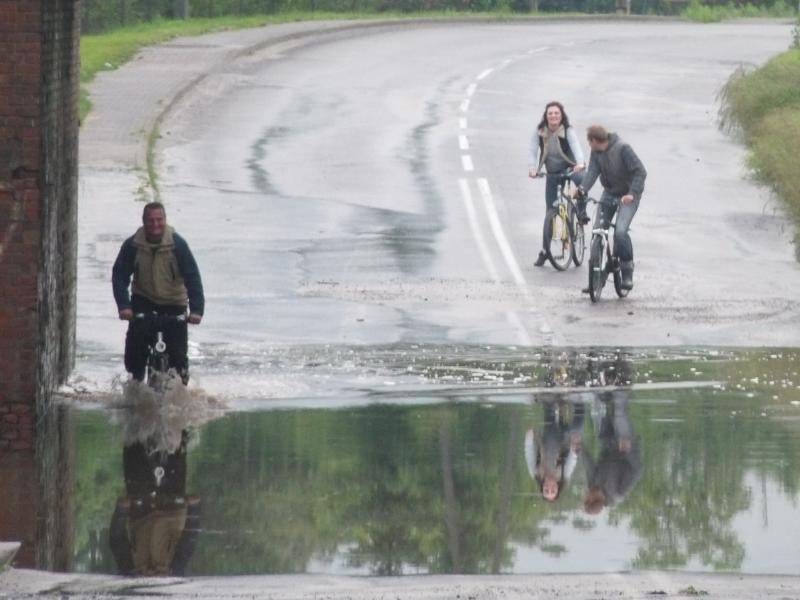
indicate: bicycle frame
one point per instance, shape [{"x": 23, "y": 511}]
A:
[
  {"x": 603, "y": 259},
  {"x": 566, "y": 235},
  {"x": 157, "y": 363}
]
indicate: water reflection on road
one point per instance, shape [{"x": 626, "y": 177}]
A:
[{"x": 481, "y": 461}]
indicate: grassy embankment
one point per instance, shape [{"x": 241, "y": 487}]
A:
[
  {"x": 106, "y": 51},
  {"x": 706, "y": 13},
  {"x": 764, "y": 105}
]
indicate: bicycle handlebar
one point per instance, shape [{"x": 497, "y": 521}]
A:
[
  {"x": 160, "y": 318},
  {"x": 563, "y": 175}
]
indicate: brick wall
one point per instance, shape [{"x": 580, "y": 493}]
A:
[
  {"x": 39, "y": 43},
  {"x": 39, "y": 47}
]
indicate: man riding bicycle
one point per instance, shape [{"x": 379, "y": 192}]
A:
[
  {"x": 160, "y": 270},
  {"x": 622, "y": 175}
]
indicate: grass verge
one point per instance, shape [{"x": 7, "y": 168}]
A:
[
  {"x": 706, "y": 13},
  {"x": 764, "y": 106}
]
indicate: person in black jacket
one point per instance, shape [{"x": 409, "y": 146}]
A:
[{"x": 155, "y": 271}]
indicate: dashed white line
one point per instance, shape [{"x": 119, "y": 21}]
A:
[
  {"x": 485, "y": 74},
  {"x": 462, "y": 123},
  {"x": 471, "y": 89},
  {"x": 463, "y": 142},
  {"x": 465, "y": 105},
  {"x": 466, "y": 162}
]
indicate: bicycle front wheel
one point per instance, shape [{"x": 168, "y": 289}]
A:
[
  {"x": 559, "y": 248},
  {"x": 598, "y": 267},
  {"x": 578, "y": 239}
]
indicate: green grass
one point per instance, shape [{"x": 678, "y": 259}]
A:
[
  {"x": 764, "y": 105},
  {"x": 110, "y": 50},
  {"x": 704, "y": 13}
]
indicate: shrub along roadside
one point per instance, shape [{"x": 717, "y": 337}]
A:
[{"x": 764, "y": 106}]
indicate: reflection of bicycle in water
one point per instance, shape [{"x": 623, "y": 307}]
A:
[
  {"x": 603, "y": 260},
  {"x": 157, "y": 363},
  {"x": 155, "y": 525},
  {"x": 563, "y": 230}
]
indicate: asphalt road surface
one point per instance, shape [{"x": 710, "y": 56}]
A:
[{"x": 369, "y": 185}]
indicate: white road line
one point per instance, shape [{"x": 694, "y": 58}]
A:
[
  {"x": 466, "y": 162},
  {"x": 505, "y": 248},
  {"x": 537, "y": 50},
  {"x": 516, "y": 322},
  {"x": 463, "y": 142},
  {"x": 465, "y": 105},
  {"x": 476, "y": 230},
  {"x": 462, "y": 123},
  {"x": 471, "y": 89},
  {"x": 485, "y": 74},
  {"x": 499, "y": 234}
]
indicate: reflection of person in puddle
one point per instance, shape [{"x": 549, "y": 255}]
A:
[
  {"x": 155, "y": 525},
  {"x": 619, "y": 466},
  {"x": 551, "y": 455}
]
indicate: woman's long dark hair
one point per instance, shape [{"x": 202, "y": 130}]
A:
[{"x": 564, "y": 117}]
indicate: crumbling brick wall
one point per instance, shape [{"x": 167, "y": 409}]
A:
[{"x": 39, "y": 70}]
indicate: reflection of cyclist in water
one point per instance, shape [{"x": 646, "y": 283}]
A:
[
  {"x": 551, "y": 455},
  {"x": 155, "y": 525},
  {"x": 619, "y": 466}
]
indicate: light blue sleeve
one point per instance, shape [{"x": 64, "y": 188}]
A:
[
  {"x": 533, "y": 151},
  {"x": 575, "y": 146}
]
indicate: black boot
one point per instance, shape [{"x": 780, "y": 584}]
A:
[
  {"x": 626, "y": 270},
  {"x": 541, "y": 259},
  {"x": 583, "y": 218}
]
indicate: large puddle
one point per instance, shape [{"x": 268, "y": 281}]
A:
[{"x": 479, "y": 461}]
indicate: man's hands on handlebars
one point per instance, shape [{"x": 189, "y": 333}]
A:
[{"x": 126, "y": 314}]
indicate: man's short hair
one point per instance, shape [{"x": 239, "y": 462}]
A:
[
  {"x": 597, "y": 133},
  {"x": 153, "y": 206}
]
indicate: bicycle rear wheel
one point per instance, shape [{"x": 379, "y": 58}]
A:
[
  {"x": 578, "y": 239},
  {"x": 559, "y": 248},
  {"x": 598, "y": 267}
]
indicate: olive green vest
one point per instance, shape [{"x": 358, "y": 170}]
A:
[{"x": 156, "y": 275}]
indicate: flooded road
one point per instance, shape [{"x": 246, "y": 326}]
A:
[
  {"x": 383, "y": 384},
  {"x": 680, "y": 460}
]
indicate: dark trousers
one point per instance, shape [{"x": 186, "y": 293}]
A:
[{"x": 140, "y": 335}]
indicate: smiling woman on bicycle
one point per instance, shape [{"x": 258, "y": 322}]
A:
[
  {"x": 555, "y": 148},
  {"x": 622, "y": 175}
]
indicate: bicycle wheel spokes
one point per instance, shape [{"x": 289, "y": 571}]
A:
[
  {"x": 559, "y": 250},
  {"x": 598, "y": 267}
]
